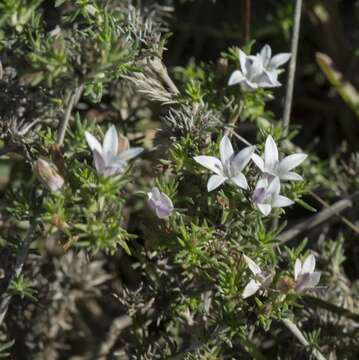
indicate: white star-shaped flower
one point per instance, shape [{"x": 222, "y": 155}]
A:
[
  {"x": 266, "y": 196},
  {"x": 271, "y": 165},
  {"x": 108, "y": 160},
  {"x": 262, "y": 279},
  {"x": 258, "y": 71},
  {"x": 229, "y": 167},
  {"x": 271, "y": 65},
  {"x": 304, "y": 275}
]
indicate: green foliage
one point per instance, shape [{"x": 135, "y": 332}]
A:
[
  {"x": 20, "y": 286},
  {"x": 5, "y": 347}
]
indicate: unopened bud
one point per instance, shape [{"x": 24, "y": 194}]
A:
[{"x": 48, "y": 174}]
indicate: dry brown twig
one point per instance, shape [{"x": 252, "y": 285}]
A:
[
  {"x": 320, "y": 218},
  {"x": 292, "y": 66},
  {"x": 293, "y": 328},
  {"x": 117, "y": 326},
  {"x": 74, "y": 99}
]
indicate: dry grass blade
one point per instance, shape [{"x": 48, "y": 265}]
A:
[
  {"x": 292, "y": 66},
  {"x": 321, "y": 217}
]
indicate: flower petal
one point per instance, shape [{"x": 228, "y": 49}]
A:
[
  {"x": 278, "y": 60},
  {"x": 274, "y": 187},
  {"x": 249, "y": 86},
  {"x": 164, "y": 208},
  {"x": 309, "y": 264},
  {"x": 225, "y": 149},
  {"x": 110, "y": 144},
  {"x": 240, "y": 180},
  {"x": 268, "y": 79},
  {"x": 270, "y": 154},
  {"x": 130, "y": 153},
  {"x": 292, "y": 176},
  {"x": 290, "y": 162},
  {"x": 154, "y": 194},
  {"x": 266, "y": 54},
  {"x": 252, "y": 265},
  {"x": 100, "y": 164},
  {"x": 210, "y": 163},
  {"x": 262, "y": 183},
  {"x": 314, "y": 279},
  {"x": 256, "y": 68},
  {"x": 242, "y": 158},
  {"x": 236, "y": 78},
  {"x": 243, "y": 59},
  {"x": 215, "y": 181},
  {"x": 265, "y": 209},
  {"x": 297, "y": 268},
  {"x": 281, "y": 201},
  {"x": 258, "y": 161},
  {"x": 166, "y": 201},
  {"x": 111, "y": 170},
  {"x": 93, "y": 143},
  {"x": 260, "y": 193},
  {"x": 251, "y": 288},
  {"x": 307, "y": 281}
]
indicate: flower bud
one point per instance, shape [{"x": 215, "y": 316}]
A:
[
  {"x": 48, "y": 174},
  {"x": 160, "y": 203}
]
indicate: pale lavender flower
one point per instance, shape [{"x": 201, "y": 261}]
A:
[
  {"x": 160, "y": 203},
  {"x": 271, "y": 165},
  {"x": 266, "y": 196},
  {"x": 258, "y": 71},
  {"x": 229, "y": 167},
  {"x": 108, "y": 161},
  {"x": 305, "y": 277},
  {"x": 262, "y": 279}
]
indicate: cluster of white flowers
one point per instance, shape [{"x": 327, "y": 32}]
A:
[
  {"x": 305, "y": 276},
  {"x": 266, "y": 194},
  {"x": 230, "y": 166},
  {"x": 260, "y": 70},
  {"x": 257, "y": 71}
]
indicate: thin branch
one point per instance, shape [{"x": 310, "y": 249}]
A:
[
  {"x": 246, "y": 11},
  {"x": 20, "y": 261},
  {"x": 341, "y": 217},
  {"x": 292, "y": 66},
  {"x": 323, "y": 304},
  {"x": 293, "y": 328},
  {"x": 320, "y": 218},
  {"x": 117, "y": 326},
  {"x": 239, "y": 137},
  {"x": 74, "y": 98}
]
